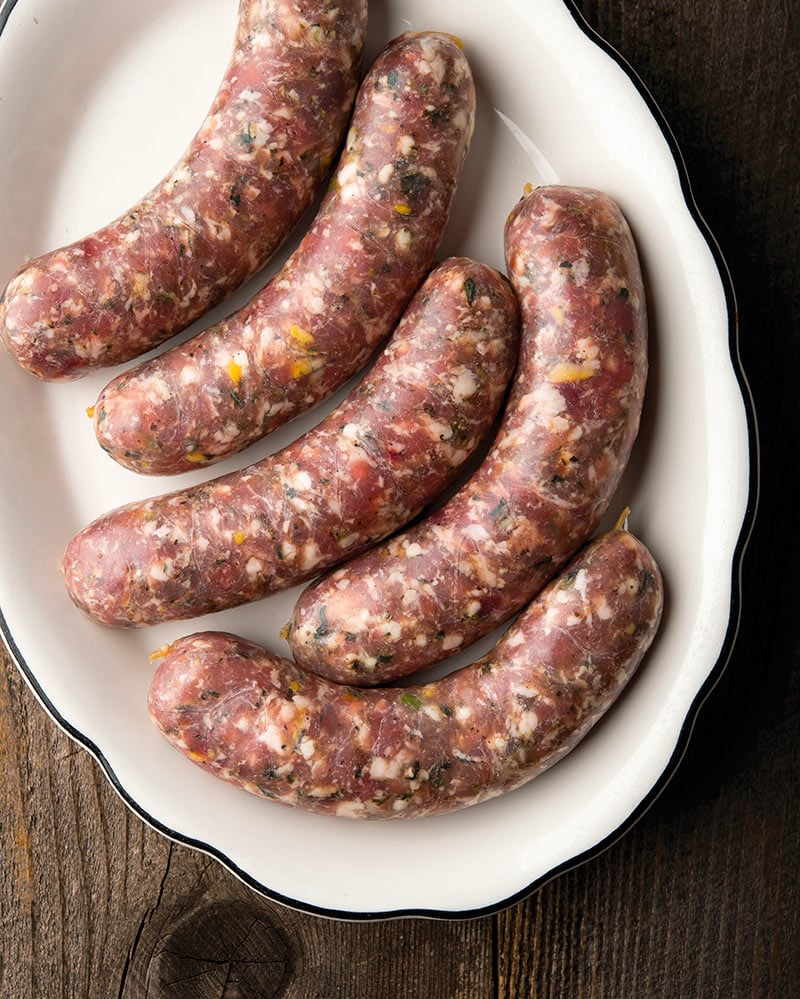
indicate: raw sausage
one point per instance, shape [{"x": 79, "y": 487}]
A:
[
  {"x": 248, "y": 175},
  {"x": 337, "y": 297},
  {"x": 259, "y": 721},
  {"x": 566, "y": 437},
  {"x": 366, "y": 469}
]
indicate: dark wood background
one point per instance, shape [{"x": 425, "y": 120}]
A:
[{"x": 702, "y": 897}]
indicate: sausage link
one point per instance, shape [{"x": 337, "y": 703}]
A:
[
  {"x": 337, "y": 297},
  {"x": 244, "y": 182},
  {"x": 366, "y": 469},
  {"x": 270, "y": 727},
  {"x": 566, "y": 436}
]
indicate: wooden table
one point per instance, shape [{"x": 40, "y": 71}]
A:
[{"x": 702, "y": 897}]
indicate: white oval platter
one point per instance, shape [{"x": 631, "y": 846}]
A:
[{"x": 98, "y": 98}]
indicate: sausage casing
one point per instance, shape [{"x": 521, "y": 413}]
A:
[
  {"x": 339, "y": 294},
  {"x": 261, "y": 722},
  {"x": 366, "y": 469},
  {"x": 567, "y": 433},
  {"x": 243, "y": 183}
]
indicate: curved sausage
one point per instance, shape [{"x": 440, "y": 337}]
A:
[
  {"x": 565, "y": 439},
  {"x": 244, "y": 182},
  {"x": 338, "y": 296},
  {"x": 262, "y": 723},
  {"x": 366, "y": 469}
]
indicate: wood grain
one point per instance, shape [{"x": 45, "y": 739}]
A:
[{"x": 702, "y": 897}]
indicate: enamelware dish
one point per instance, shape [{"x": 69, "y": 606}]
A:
[{"x": 87, "y": 128}]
